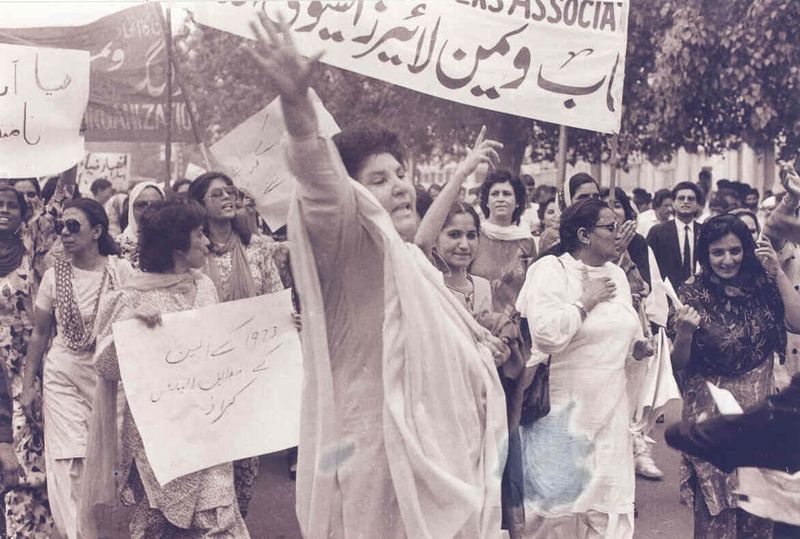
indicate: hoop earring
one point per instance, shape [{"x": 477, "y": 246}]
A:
[{"x": 442, "y": 264}]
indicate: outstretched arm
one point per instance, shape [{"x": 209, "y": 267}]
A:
[
  {"x": 484, "y": 151},
  {"x": 327, "y": 198},
  {"x": 783, "y": 223}
]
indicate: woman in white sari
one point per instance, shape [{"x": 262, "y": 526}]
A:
[{"x": 577, "y": 461}]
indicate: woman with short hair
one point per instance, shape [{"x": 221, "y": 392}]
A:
[
  {"x": 734, "y": 318},
  {"x": 67, "y": 301},
  {"x": 506, "y": 248},
  {"x": 578, "y": 460},
  {"x": 172, "y": 250}
]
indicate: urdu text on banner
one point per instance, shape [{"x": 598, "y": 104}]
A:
[
  {"x": 560, "y": 61},
  {"x": 128, "y": 73},
  {"x": 43, "y": 95},
  {"x": 213, "y": 385}
]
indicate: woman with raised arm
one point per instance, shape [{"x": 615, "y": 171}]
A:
[
  {"x": 387, "y": 349},
  {"x": 172, "y": 250},
  {"x": 67, "y": 301},
  {"x": 26, "y": 234}
]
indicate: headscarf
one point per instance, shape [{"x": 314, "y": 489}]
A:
[
  {"x": 131, "y": 233},
  {"x": 567, "y": 189}
]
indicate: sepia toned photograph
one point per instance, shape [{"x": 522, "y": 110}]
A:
[{"x": 400, "y": 269}]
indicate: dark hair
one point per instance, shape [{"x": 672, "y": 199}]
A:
[
  {"x": 543, "y": 208},
  {"x": 623, "y": 199},
  {"x": 166, "y": 227},
  {"x": 504, "y": 176},
  {"x": 96, "y": 216},
  {"x": 49, "y": 189},
  {"x": 754, "y": 191},
  {"x": 640, "y": 196},
  {"x": 34, "y": 181},
  {"x": 582, "y": 214},
  {"x": 660, "y": 196},
  {"x": 180, "y": 182},
  {"x": 698, "y": 193},
  {"x": 462, "y": 208},
  {"x": 24, "y": 209},
  {"x": 99, "y": 185},
  {"x": 744, "y": 212},
  {"x": 424, "y": 201},
  {"x": 197, "y": 192},
  {"x": 576, "y": 180},
  {"x": 123, "y": 214},
  {"x": 358, "y": 143},
  {"x": 720, "y": 226}
]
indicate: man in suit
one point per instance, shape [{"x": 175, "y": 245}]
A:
[{"x": 674, "y": 242}]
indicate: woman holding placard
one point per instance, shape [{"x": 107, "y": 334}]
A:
[
  {"x": 241, "y": 265},
  {"x": 172, "y": 250},
  {"x": 67, "y": 301},
  {"x": 732, "y": 320}
]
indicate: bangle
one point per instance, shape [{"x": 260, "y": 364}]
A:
[{"x": 582, "y": 309}]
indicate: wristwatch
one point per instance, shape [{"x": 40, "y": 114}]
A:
[{"x": 582, "y": 308}]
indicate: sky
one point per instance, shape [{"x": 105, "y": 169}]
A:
[{"x": 34, "y": 13}]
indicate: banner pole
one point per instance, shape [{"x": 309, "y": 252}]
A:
[
  {"x": 168, "y": 112},
  {"x": 561, "y": 161},
  {"x": 190, "y": 110}
]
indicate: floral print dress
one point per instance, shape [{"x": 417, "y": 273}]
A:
[
  {"x": 27, "y": 512},
  {"x": 740, "y": 331}
]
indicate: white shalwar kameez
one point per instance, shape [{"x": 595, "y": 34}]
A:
[{"x": 578, "y": 460}]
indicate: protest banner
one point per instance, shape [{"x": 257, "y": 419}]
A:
[
  {"x": 213, "y": 385},
  {"x": 562, "y": 61},
  {"x": 43, "y": 95},
  {"x": 114, "y": 167},
  {"x": 253, "y": 156},
  {"x": 128, "y": 74}
]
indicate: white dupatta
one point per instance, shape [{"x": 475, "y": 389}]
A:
[{"x": 444, "y": 417}]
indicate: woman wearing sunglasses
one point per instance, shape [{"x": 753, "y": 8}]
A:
[
  {"x": 173, "y": 249},
  {"x": 141, "y": 197},
  {"x": 241, "y": 265},
  {"x": 67, "y": 301},
  {"x": 26, "y": 235},
  {"x": 578, "y": 460}
]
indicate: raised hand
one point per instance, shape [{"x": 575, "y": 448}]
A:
[
  {"x": 643, "y": 349},
  {"x": 625, "y": 235},
  {"x": 287, "y": 70},
  {"x": 767, "y": 256},
  {"x": 790, "y": 179},
  {"x": 484, "y": 151}
]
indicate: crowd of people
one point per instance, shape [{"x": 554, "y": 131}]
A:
[{"x": 424, "y": 324}]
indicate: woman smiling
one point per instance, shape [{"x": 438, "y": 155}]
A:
[{"x": 735, "y": 314}]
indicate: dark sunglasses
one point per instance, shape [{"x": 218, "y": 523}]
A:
[
  {"x": 143, "y": 204},
  {"x": 611, "y": 227},
  {"x": 73, "y": 226}
]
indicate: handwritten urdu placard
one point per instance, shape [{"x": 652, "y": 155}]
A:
[
  {"x": 43, "y": 95},
  {"x": 213, "y": 385},
  {"x": 561, "y": 61}
]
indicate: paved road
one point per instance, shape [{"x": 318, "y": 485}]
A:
[{"x": 661, "y": 516}]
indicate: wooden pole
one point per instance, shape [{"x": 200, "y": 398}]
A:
[
  {"x": 168, "y": 112},
  {"x": 561, "y": 161},
  {"x": 614, "y": 162},
  {"x": 192, "y": 118}
]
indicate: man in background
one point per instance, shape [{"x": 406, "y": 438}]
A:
[{"x": 102, "y": 190}]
